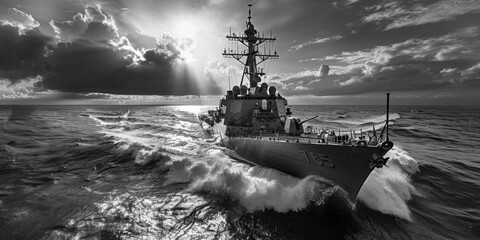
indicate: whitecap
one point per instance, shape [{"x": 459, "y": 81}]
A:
[
  {"x": 255, "y": 188},
  {"x": 389, "y": 189}
]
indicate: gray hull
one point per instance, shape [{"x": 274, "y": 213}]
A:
[{"x": 347, "y": 166}]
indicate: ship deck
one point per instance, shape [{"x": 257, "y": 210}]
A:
[{"x": 310, "y": 139}]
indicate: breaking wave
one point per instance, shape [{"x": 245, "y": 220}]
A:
[
  {"x": 255, "y": 188},
  {"x": 389, "y": 189}
]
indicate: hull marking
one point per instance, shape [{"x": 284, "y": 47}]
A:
[
  {"x": 318, "y": 158},
  {"x": 306, "y": 155}
]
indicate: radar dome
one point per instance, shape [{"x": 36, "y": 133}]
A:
[
  {"x": 272, "y": 90},
  {"x": 236, "y": 91},
  {"x": 243, "y": 90}
]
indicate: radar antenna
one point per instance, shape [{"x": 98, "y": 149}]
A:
[{"x": 251, "y": 39}]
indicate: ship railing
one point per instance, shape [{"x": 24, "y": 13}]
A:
[
  {"x": 323, "y": 136},
  {"x": 356, "y": 137}
]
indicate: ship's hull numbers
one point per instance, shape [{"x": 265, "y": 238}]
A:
[{"x": 318, "y": 158}]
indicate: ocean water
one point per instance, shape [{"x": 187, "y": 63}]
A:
[{"x": 151, "y": 172}]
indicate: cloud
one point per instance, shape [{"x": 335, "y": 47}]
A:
[
  {"x": 99, "y": 31},
  {"x": 448, "y": 70},
  {"x": 474, "y": 70},
  {"x": 137, "y": 63},
  {"x": 414, "y": 64},
  {"x": 91, "y": 57},
  {"x": 140, "y": 41},
  {"x": 301, "y": 88},
  {"x": 85, "y": 65},
  {"x": 16, "y": 18},
  {"x": 311, "y": 60},
  {"x": 25, "y": 88},
  {"x": 93, "y": 23},
  {"x": 129, "y": 50},
  {"x": 21, "y": 51},
  {"x": 397, "y": 14},
  {"x": 219, "y": 71},
  {"x": 313, "y": 41}
]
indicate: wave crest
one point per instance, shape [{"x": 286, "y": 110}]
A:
[
  {"x": 388, "y": 189},
  {"x": 255, "y": 188}
]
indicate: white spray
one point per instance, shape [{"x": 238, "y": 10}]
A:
[
  {"x": 388, "y": 189},
  {"x": 255, "y": 188}
]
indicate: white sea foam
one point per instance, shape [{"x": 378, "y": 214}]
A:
[
  {"x": 147, "y": 217},
  {"x": 145, "y": 143},
  {"x": 145, "y": 156},
  {"x": 374, "y": 119},
  {"x": 195, "y": 109},
  {"x": 125, "y": 115},
  {"x": 255, "y": 188},
  {"x": 389, "y": 189},
  {"x": 97, "y": 120}
]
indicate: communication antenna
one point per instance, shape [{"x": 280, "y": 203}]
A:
[
  {"x": 251, "y": 56},
  {"x": 249, "y": 12},
  {"x": 388, "y": 110}
]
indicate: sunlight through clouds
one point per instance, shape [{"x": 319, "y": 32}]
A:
[{"x": 174, "y": 48}]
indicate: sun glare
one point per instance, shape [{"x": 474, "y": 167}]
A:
[{"x": 184, "y": 29}]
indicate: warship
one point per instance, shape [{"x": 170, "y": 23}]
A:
[{"x": 257, "y": 127}]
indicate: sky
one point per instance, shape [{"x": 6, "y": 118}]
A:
[{"x": 169, "y": 52}]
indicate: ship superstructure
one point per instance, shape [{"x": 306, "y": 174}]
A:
[{"x": 258, "y": 128}]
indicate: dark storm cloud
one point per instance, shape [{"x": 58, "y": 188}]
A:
[
  {"x": 90, "y": 66},
  {"x": 90, "y": 56},
  {"x": 21, "y": 54},
  {"x": 99, "y": 31}
]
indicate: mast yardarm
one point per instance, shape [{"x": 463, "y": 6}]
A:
[{"x": 252, "y": 40}]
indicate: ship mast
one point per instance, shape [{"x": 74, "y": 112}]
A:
[{"x": 252, "y": 40}]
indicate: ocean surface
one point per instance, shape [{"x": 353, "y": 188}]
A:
[{"x": 151, "y": 172}]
